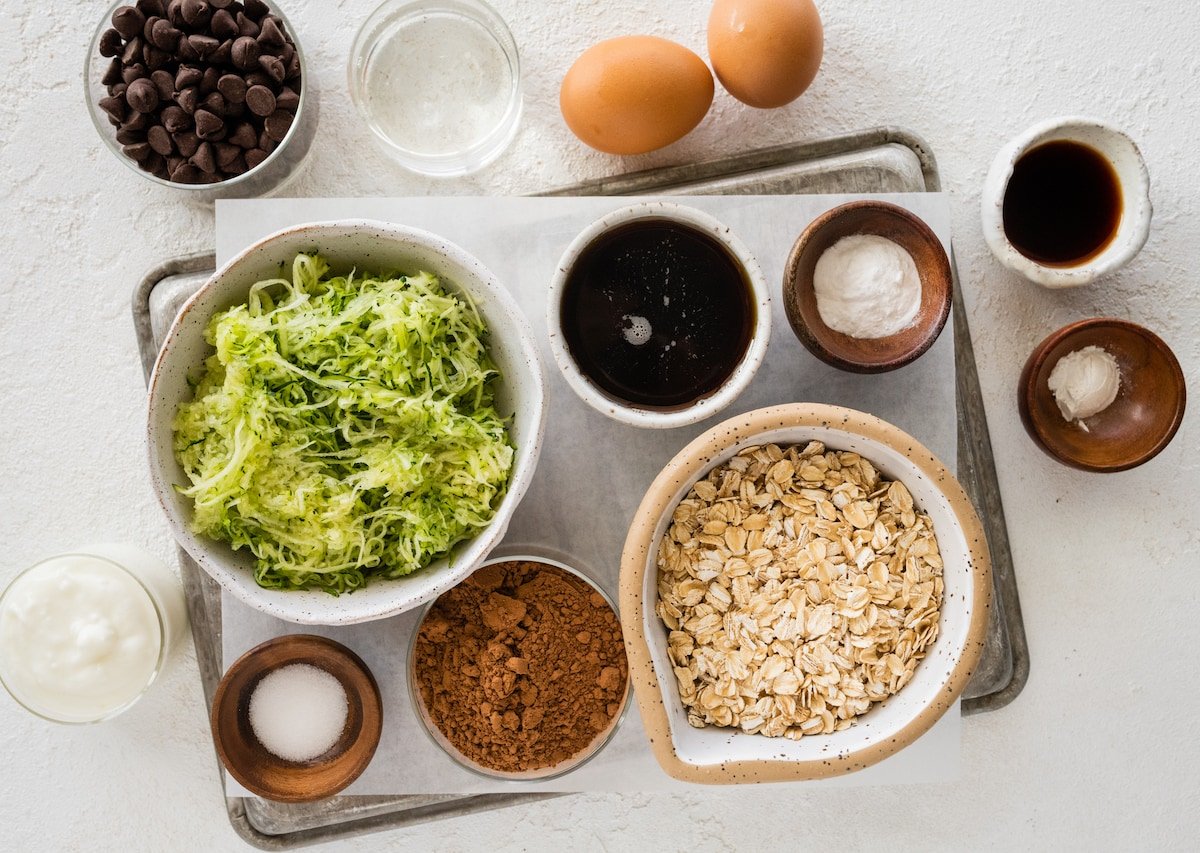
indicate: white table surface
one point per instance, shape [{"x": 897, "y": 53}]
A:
[{"x": 1098, "y": 752}]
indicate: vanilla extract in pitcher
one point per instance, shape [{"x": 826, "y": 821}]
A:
[
  {"x": 657, "y": 313},
  {"x": 1062, "y": 206}
]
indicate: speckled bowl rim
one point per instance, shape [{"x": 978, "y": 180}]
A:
[
  {"x": 687, "y": 466},
  {"x": 811, "y": 336},
  {"x": 1029, "y": 390},
  {"x": 704, "y": 407},
  {"x": 268, "y": 600}
]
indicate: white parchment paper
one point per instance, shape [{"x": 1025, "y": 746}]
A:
[{"x": 594, "y": 471}]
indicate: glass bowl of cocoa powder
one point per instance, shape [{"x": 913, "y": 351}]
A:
[{"x": 519, "y": 672}]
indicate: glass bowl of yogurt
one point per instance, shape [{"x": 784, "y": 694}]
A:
[{"x": 84, "y": 635}]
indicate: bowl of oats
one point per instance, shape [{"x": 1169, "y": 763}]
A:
[{"x": 804, "y": 592}]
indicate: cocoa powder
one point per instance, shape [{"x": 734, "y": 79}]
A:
[{"x": 521, "y": 666}]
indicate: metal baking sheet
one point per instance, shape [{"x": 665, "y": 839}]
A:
[{"x": 878, "y": 160}]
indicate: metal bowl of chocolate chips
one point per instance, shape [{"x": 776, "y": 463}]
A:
[{"x": 206, "y": 96}]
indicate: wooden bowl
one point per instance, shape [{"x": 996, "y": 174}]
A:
[
  {"x": 868, "y": 355},
  {"x": 1139, "y": 423},
  {"x": 289, "y": 781}
]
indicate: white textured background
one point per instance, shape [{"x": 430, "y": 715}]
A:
[{"x": 1098, "y": 752}]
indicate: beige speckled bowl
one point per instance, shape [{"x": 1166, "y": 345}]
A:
[{"x": 724, "y": 756}]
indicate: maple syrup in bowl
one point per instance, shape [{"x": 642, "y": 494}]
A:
[{"x": 659, "y": 315}]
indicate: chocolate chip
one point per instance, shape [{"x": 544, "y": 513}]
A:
[
  {"x": 130, "y": 136},
  {"x": 223, "y": 25},
  {"x": 128, "y": 21},
  {"x": 155, "y": 58},
  {"x": 214, "y": 102},
  {"x": 220, "y": 4},
  {"x": 165, "y": 36},
  {"x": 175, "y": 119},
  {"x": 233, "y": 88},
  {"x": 259, "y": 78},
  {"x": 187, "y": 75},
  {"x": 164, "y": 82},
  {"x": 254, "y": 157},
  {"x": 118, "y": 91},
  {"x": 204, "y": 158},
  {"x": 142, "y": 96},
  {"x": 208, "y": 126},
  {"x": 187, "y": 174},
  {"x": 138, "y": 122},
  {"x": 188, "y": 99},
  {"x": 160, "y": 139},
  {"x": 257, "y": 9},
  {"x": 110, "y": 43},
  {"x": 244, "y": 136},
  {"x": 152, "y": 7},
  {"x": 245, "y": 53},
  {"x": 112, "y": 74},
  {"x": 175, "y": 12},
  {"x": 286, "y": 53},
  {"x": 266, "y": 143},
  {"x": 226, "y": 153},
  {"x": 260, "y": 100},
  {"x": 137, "y": 151},
  {"x": 277, "y": 124},
  {"x": 247, "y": 27},
  {"x": 133, "y": 72},
  {"x": 133, "y": 50},
  {"x": 174, "y": 161},
  {"x": 223, "y": 55},
  {"x": 236, "y": 166},
  {"x": 269, "y": 34},
  {"x": 273, "y": 68},
  {"x": 208, "y": 83},
  {"x": 156, "y": 166},
  {"x": 187, "y": 143},
  {"x": 186, "y": 53},
  {"x": 148, "y": 27},
  {"x": 293, "y": 68},
  {"x": 203, "y": 45},
  {"x": 196, "y": 13}
]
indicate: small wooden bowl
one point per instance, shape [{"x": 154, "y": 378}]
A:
[
  {"x": 288, "y": 781},
  {"x": 868, "y": 355},
  {"x": 1139, "y": 423}
]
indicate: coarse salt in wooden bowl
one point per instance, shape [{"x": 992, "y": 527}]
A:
[
  {"x": 267, "y": 775},
  {"x": 1138, "y": 424},
  {"x": 868, "y": 355}
]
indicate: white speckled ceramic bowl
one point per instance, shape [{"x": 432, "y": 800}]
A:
[
  {"x": 697, "y": 410},
  {"x": 726, "y": 756},
  {"x": 1126, "y": 160},
  {"x": 372, "y": 246}
]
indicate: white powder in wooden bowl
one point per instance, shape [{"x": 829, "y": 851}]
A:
[
  {"x": 867, "y": 287},
  {"x": 298, "y": 712}
]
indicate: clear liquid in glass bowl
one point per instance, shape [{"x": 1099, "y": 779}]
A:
[{"x": 438, "y": 83}]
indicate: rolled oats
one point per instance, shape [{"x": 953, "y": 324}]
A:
[{"x": 798, "y": 588}]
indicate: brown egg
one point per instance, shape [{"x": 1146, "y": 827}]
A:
[
  {"x": 765, "y": 52},
  {"x": 634, "y": 94}
]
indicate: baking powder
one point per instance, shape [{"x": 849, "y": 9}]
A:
[{"x": 867, "y": 287}]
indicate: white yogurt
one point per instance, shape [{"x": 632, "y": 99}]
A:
[{"x": 83, "y": 635}]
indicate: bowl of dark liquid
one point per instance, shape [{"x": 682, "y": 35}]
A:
[
  {"x": 1066, "y": 202},
  {"x": 658, "y": 315}
]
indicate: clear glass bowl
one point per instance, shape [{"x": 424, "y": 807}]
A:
[
  {"x": 540, "y": 775},
  {"x": 164, "y": 595},
  {"x": 269, "y": 175},
  {"x": 438, "y": 82}
]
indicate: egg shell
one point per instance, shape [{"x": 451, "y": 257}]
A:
[
  {"x": 765, "y": 52},
  {"x": 634, "y": 94}
]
